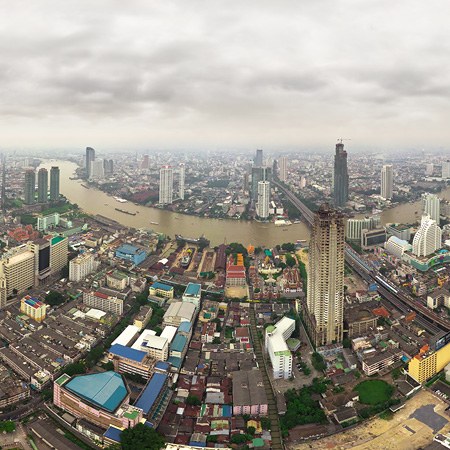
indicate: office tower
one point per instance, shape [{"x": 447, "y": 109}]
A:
[
  {"x": 97, "y": 171},
  {"x": 258, "y": 161},
  {"x": 90, "y": 156},
  {"x": 145, "y": 164},
  {"x": 41, "y": 251},
  {"x": 262, "y": 206},
  {"x": 429, "y": 169},
  {"x": 54, "y": 184},
  {"x": 42, "y": 185},
  {"x": 431, "y": 206},
  {"x": 386, "y": 181},
  {"x": 17, "y": 270},
  {"x": 165, "y": 185},
  {"x": 446, "y": 169},
  {"x": 428, "y": 238},
  {"x": 340, "y": 178},
  {"x": 30, "y": 183},
  {"x": 325, "y": 299},
  {"x": 282, "y": 167},
  {"x": 181, "y": 175},
  {"x": 259, "y": 174}
]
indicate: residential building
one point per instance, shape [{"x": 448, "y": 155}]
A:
[
  {"x": 325, "y": 297},
  {"x": 381, "y": 361},
  {"x": 282, "y": 167},
  {"x": 181, "y": 179},
  {"x": 33, "y": 308},
  {"x": 192, "y": 294},
  {"x": 90, "y": 156},
  {"x": 143, "y": 317},
  {"x": 262, "y": 205},
  {"x": 29, "y": 187},
  {"x": 17, "y": 269},
  {"x": 387, "y": 180},
  {"x": 340, "y": 188},
  {"x": 104, "y": 302},
  {"x": 354, "y": 227},
  {"x": 97, "y": 170},
  {"x": 259, "y": 173},
  {"x": 399, "y": 230},
  {"x": 117, "y": 280},
  {"x": 446, "y": 169},
  {"x": 131, "y": 253},
  {"x": 161, "y": 290},
  {"x": 59, "y": 253},
  {"x": 275, "y": 344},
  {"x": 82, "y": 266},
  {"x": 54, "y": 184},
  {"x": 249, "y": 395},
  {"x": 439, "y": 297},
  {"x": 428, "y": 362},
  {"x": 42, "y": 190},
  {"x": 428, "y": 238},
  {"x": 431, "y": 206},
  {"x": 165, "y": 185},
  {"x": 100, "y": 398}
]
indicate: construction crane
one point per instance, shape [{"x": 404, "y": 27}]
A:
[{"x": 343, "y": 139}]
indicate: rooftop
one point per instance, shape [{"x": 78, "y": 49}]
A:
[
  {"x": 178, "y": 343},
  {"x": 129, "y": 249},
  {"x": 161, "y": 286},
  {"x": 151, "y": 392},
  {"x": 127, "y": 352},
  {"x": 106, "y": 390},
  {"x": 193, "y": 290},
  {"x": 57, "y": 239}
]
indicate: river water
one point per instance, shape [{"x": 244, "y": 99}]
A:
[{"x": 217, "y": 231}]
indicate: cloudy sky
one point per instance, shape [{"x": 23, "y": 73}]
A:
[{"x": 212, "y": 74}]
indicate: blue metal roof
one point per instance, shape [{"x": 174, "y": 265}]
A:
[
  {"x": 185, "y": 327},
  {"x": 178, "y": 343},
  {"x": 193, "y": 289},
  {"x": 151, "y": 392},
  {"x": 162, "y": 365},
  {"x": 127, "y": 352},
  {"x": 175, "y": 361},
  {"x": 162, "y": 286},
  {"x": 113, "y": 433},
  {"x": 128, "y": 248},
  {"x": 106, "y": 390}
]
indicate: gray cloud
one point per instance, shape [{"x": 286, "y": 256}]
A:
[{"x": 206, "y": 74}]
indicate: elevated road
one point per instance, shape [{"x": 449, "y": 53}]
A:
[{"x": 395, "y": 295}]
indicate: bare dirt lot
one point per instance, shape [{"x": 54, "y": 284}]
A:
[{"x": 413, "y": 427}]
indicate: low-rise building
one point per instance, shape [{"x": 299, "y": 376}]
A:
[
  {"x": 192, "y": 294},
  {"x": 33, "y": 308},
  {"x": 380, "y": 360},
  {"x": 143, "y": 317},
  {"x": 161, "y": 290},
  {"x": 130, "y": 360},
  {"x": 249, "y": 395},
  {"x": 440, "y": 297},
  {"x": 155, "y": 346},
  {"x": 117, "y": 280},
  {"x": 131, "y": 253},
  {"x": 104, "y": 302},
  {"x": 428, "y": 362},
  {"x": 179, "y": 312}
]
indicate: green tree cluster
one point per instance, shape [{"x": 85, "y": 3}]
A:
[
  {"x": 318, "y": 362},
  {"x": 54, "y": 298},
  {"x": 141, "y": 437}
]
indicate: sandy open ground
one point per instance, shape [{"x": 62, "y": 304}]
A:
[{"x": 413, "y": 427}]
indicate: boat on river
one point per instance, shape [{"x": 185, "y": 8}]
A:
[{"x": 125, "y": 212}]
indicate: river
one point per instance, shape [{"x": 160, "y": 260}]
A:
[{"x": 217, "y": 231}]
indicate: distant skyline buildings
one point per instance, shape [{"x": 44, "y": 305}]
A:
[
  {"x": 258, "y": 160},
  {"x": 340, "y": 178},
  {"x": 29, "y": 186},
  {"x": 54, "y": 183},
  {"x": 282, "y": 168},
  {"x": 165, "y": 185},
  {"x": 431, "y": 206},
  {"x": 181, "y": 178},
  {"x": 262, "y": 205},
  {"x": 387, "y": 182},
  {"x": 446, "y": 169},
  {"x": 90, "y": 156},
  {"x": 42, "y": 185}
]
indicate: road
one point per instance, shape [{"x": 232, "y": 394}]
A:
[{"x": 395, "y": 295}]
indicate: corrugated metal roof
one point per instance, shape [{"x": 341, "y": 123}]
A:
[
  {"x": 178, "y": 343},
  {"x": 127, "y": 352},
  {"x": 151, "y": 392},
  {"x": 106, "y": 390}
]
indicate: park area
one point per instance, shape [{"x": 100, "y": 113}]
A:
[{"x": 374, "y": 392}]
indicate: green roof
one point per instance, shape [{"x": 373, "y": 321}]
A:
[
  {"x": 57, "y": 239},
  {"x": 270, "y": 328},
  {"x": 131, "y": 415},
  {"x": 62, "y": 379},
  {"x": 258, "y": 442}
]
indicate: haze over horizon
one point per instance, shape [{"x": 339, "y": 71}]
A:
[{"x": 213, "y": 75}]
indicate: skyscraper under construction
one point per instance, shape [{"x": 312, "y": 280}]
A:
[{"x": 340, "y": 179}]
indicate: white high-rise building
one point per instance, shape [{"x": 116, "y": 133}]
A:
[
  {"x": 354, "y": 227},
  {"x": 428, "y": 238},
  {"x": 429, "y": 169},
  {"x": 431, "y": 206},
  {"x": 282, "y": 167},
  {"x": 262, "y": 207},
  {"x": 275, "y": 345},
  {"x": 181, "y": 174},
  {"x": 81, "y": 266},
  {"x": 387, "y": 179},
  {"x": 325, "y": 299},
  {"x": 165, "y": 185},
  {"x": 446, "y": 169},
  {"x": 97, "y": 171}
]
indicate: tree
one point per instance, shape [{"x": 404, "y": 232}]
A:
[
  {"x": 251, "y": 431},
  {"x": 75, "y": 368},
  {"x": 141, "y": 437},
  {"x": 238, "y": 438},
  {"x": 347, "y": 343},
  {"x": 288, "y": 246},
  {"x": 54, "y": 298},
  {"x": 193, "y": 400}
]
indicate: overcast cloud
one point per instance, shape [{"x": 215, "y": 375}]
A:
[{"x": 224, "y": 74}]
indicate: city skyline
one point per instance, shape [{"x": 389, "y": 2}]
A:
[{"x": 262, "y": 79}]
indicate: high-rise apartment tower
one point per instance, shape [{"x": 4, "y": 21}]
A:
[
  {"x": 165, "y": 185},
  {"x": 387, "y": 181},
  {"x": 54, "y": 184},
  {"x": 42, "y": 185}
]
